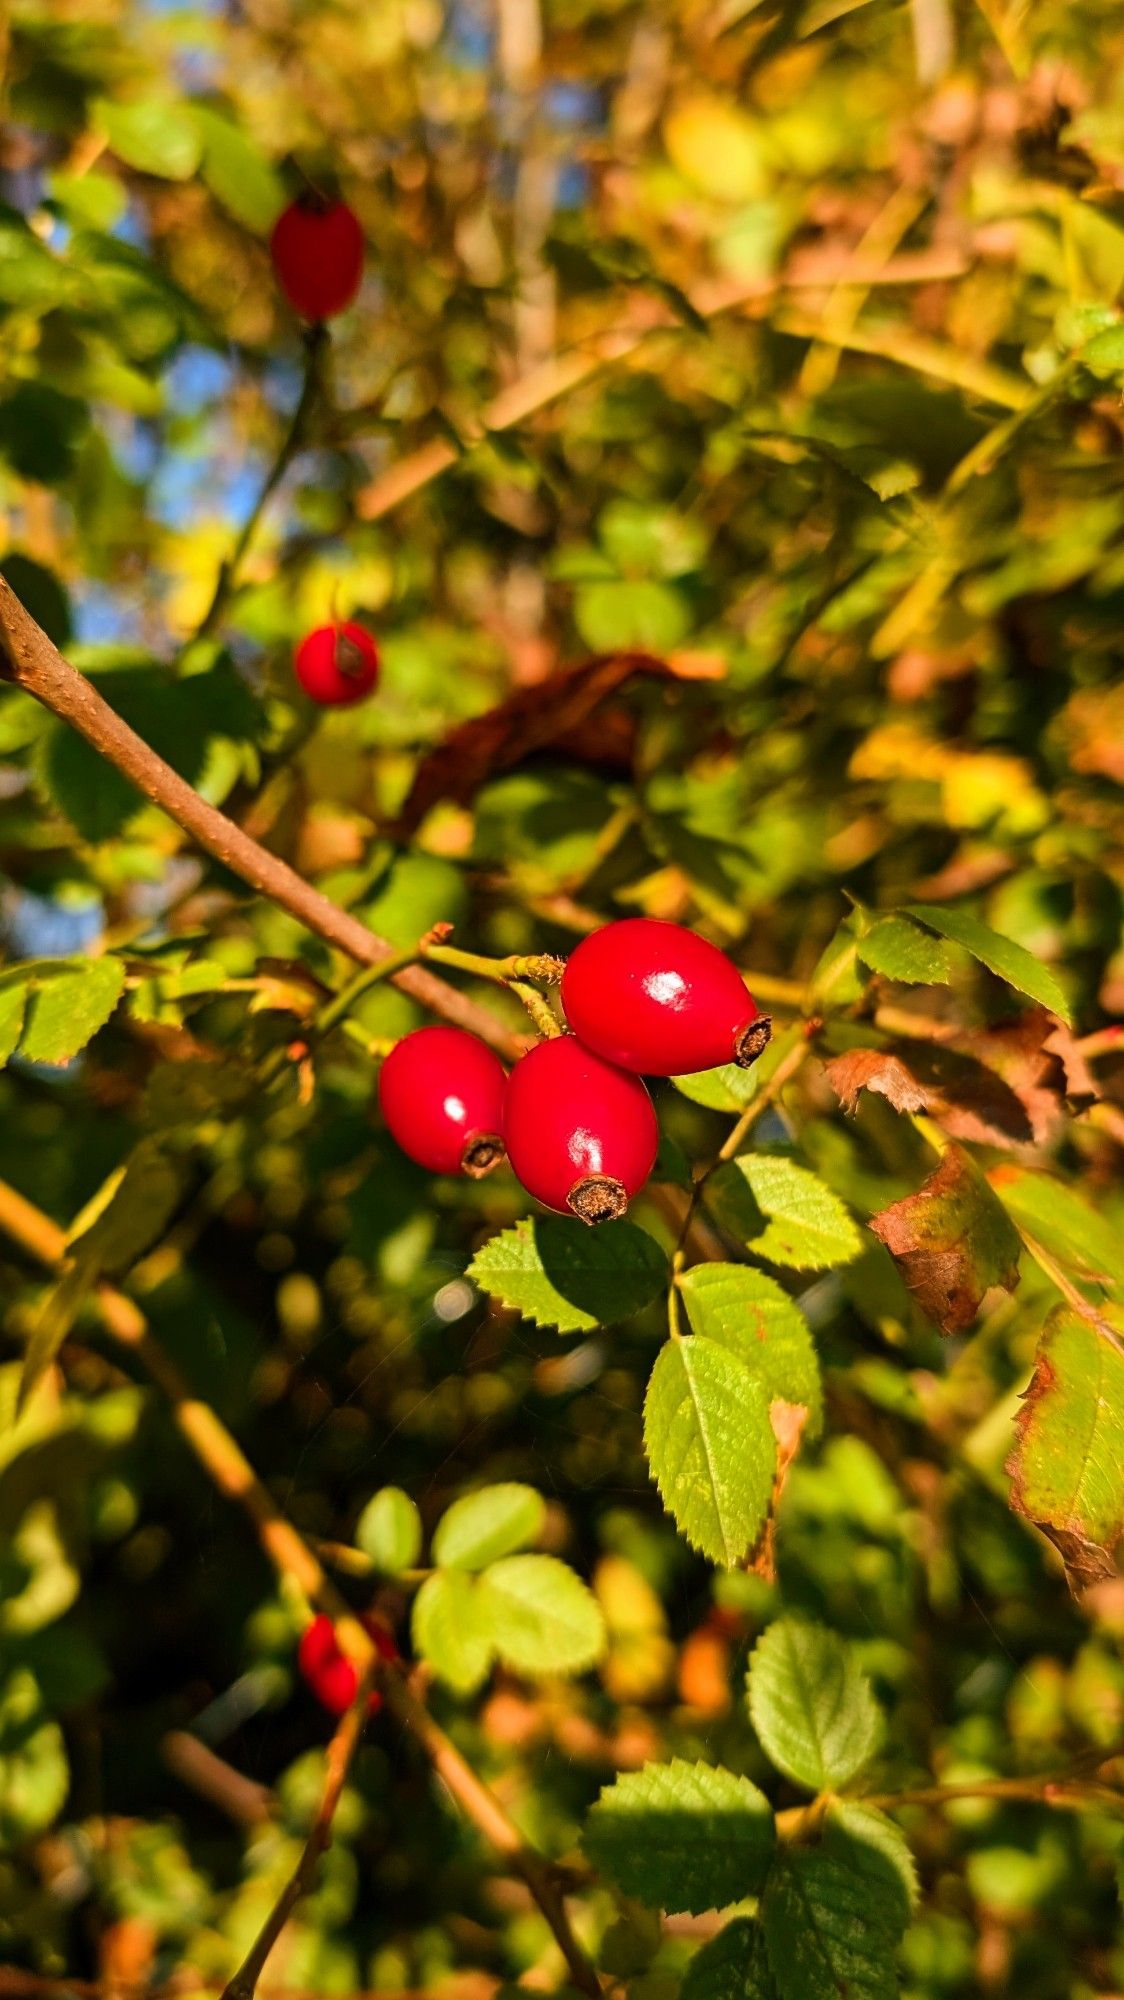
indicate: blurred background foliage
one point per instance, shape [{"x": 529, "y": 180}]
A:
[{"x": 803, "y": 322}]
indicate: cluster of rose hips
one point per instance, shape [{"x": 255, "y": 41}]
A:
[{"x": 641, "y": 998}]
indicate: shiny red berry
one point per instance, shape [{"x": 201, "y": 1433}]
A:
[
  {"x": 328, "y": 1671},
  {"x": 441, "y": 1091},
  {"x": 317, "y": 252},
  {"x": 581, "y": 1135},
  {"x": 337, "y": 664},
  {"x": 655, "y": 998}
]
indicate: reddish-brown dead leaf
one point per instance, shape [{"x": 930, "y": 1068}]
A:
[
  {"x": 951, "y": 1241},
  {"x": 556, "y": 713},
  {"x": 998, "y": 1086},
  {"x": 879, "y": 1070}
]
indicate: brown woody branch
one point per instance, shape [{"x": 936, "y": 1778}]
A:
[
  {"x": 30, "y": 661},
  {"x": 226, "y": 1464}
]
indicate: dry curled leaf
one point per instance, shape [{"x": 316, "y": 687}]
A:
[
  {"x": 554, "y": 712},
  {"x": 788, "y": 1421},
  {"x": 951, "y": 1241}
]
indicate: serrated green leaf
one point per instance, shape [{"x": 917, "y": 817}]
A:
[
  {"x": 1058, "y": 1217},
  {"x": 450, "y": 1630},
  {"x": 728, "y": 1088},
  {"x": 682, "y": 1837},
  {"x": 710, "y": 1446},
  {"x": 67, "y": 1001},
  {"x": 33, "y": 1771},
  {"x": 479, "y": 1528},
  {"x": 1067, "y": 1468},
  {"x": 811, "y": 1704},
  {"x": 154, "y": 135},
  {"x": 1008, "y": 960},
  {"x": 562, "y": 1274},
  {"x": 733, "y": 1966},
  {"x": 871, "y": 1843},
  {"x": 783, "y": 1212},
  {"x": 900, "y": 950},
  {"x": 749, "y": 1313},
  {"x": 541, "y": 1618},
  {"x": 389, "y": 1531},
  {"x": 825, "y": 1934}
]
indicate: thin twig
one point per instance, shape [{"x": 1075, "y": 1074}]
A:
[
  {"x": 30, "y": 660},
  {"x": 226, "y": 1464},
  {"x": 1069, "y": 1789},
  {"x": 315, "y": 352},
  {"x": 341, "y": 1753}
]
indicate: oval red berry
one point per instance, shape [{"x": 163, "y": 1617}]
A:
[
  {"x": 655, "y": 998},
  {"x": 317, "y": 252},
  {"x": 581, "y": 1134},
  {"x": 441, "y": 1092},
  {"x": 337, "y": 664}
]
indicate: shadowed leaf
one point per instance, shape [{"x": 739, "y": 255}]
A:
[{"x": 951, "y": 1241}]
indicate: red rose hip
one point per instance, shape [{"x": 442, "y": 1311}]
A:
[
  {"x": 655, "y": 998},
  {"x": 329, "y": 1672},
  {"x": 581, "y": 1135},
  {"x": 441, "y": 1092},
  {"x": 337, "y": 664},
  {"x": 317, "y": 252}
]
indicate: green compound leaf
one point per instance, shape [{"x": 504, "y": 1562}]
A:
[
  {"x": 450, "y": 1629},
  {"x": 541, "y": 1618},
  {"x": 1067, "y": 1468},
  {"x": 67, "y": 1001},
  {"x": 749, "y": 1313},
  {"x": 1008, "y": 960},
  {"x": 711, "y": 1446},
  {"x": 481, "y": 1527},
  {"x": 560, "y": 1273},
  {"x": 830, "y": 1931},
  {"x": 682, "y": 1837},
  {"x": 33, "y": 1770},
  {"x": 811, "y": 1704},
  {"x": 900, "y": 950},
  {"x": 389, "y": 1531},
  {"x": 733, "y": 1966},
  {"x": 783, "y": 1212}
]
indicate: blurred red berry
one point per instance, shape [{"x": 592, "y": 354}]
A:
[
  {"x": 337, "y": 664},
  {"x": 327, "y": 1669},
  {"x": 317, "y": 252}
]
